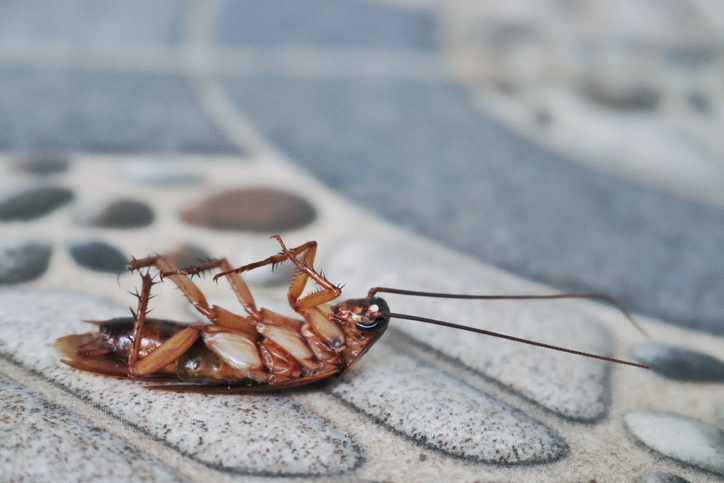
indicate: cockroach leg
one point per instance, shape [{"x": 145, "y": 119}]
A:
[
  {"x": 306, "y": 252},
  {"x": 217, "y": 315},
  {"x": 167, "y": 352},
  {"x": 140, "y": 315},
  {"x": 305, "y": 270},
  {"x": 164, "y": 354},
  {"x": 188, "y": 287},
  {"x": 237, "y": 283},
  {"x": 273, "y": 260}
]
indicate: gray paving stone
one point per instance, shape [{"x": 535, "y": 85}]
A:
[
  {"x": 439, "y": 412},
  {"x": 58, "y": 442},
  {"x": 684, "y": 439},
  {"x": 571, "y": 386},
  {"x": 250, "y": 435},
  {"x": 325, "y": 23},
  {"x": 103, "y": 111},
  {"x": 87, "y": 21},
  {"x": 423, "y": 157},
  {"x": 679, "y": 363}
]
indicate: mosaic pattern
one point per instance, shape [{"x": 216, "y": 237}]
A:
[{"x": 180, "y": 128}]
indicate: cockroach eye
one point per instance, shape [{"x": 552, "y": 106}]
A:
[{"x": 379, "y": 323}]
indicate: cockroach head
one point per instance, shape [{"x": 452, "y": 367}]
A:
[{"x": 366, "y": 315}]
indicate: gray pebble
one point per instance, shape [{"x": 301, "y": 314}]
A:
[
  {"x": 23, "y": 262},
  {"x": 679, "y": 363},
  {"x": 98, "y": 256}
]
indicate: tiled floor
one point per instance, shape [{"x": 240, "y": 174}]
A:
[{"x": 459, "y": 147}]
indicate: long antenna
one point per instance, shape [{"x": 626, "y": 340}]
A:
[
  {"x": 590, "y": 296},
  {"x": 510, "y": 337}
]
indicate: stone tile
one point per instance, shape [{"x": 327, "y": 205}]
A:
[
  {"x": 32, "y": 203},
  {"x": 684, "y": 439},
  {"x": 98, "y": 256},
  {"x": 59, "y": 443},
  {"x": 250, "y": 435},
  {"x": 422, "y": 156},
  {"x": 103, "y": 111},
  {"x": 325, "y": 23},
  {"x": 679, "y": 363},
  {"x": 571, "y": 386},
  {"x": 23, "y": 262},
  {"x": 85, "y": 21},
  {"x": 251, "y": 209},
  {"x": 120, "y": 213},
  {"x": 438, "y": 412}
]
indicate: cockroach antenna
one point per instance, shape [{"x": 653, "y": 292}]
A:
[{"x": 590, "y": 296}]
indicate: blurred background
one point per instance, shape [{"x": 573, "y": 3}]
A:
[{"x": 574, "y": 142}]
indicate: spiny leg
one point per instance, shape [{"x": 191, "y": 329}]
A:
[
  {"x": 189, "y": 288},
  {"x": 140, "y": 315},
  {"x": 164, "y": 354},
  {"x": 305, "y": 269},
  {"x": 307, "y": 250},
  {"x": 237, "y": 283},
  {"x": 215, "y": 314},
  {"x": 273, "y": 260}
]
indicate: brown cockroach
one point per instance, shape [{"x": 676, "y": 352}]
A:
[{"x": 262, "y": 350}]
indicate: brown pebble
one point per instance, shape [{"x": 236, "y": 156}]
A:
[{"x": 251, "y": 209}]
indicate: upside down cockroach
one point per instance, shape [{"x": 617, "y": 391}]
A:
[{"x": 262, "y": 350}]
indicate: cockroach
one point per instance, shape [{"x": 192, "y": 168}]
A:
[{"x": 261, "y": 350}]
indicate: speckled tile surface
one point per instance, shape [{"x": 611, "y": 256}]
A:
[{"x": 496, "y": 147}]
